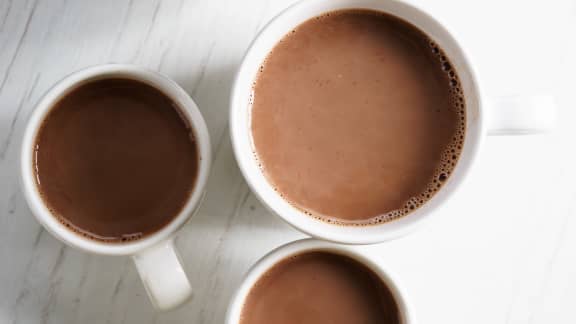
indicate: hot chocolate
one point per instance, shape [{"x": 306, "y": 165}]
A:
[{"x": 357, "y": 117}]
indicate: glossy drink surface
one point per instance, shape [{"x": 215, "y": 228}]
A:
[
  {"x": 114, "y": 160},
  {"x": 320, "y": 287}
]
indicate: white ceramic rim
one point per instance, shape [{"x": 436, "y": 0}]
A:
[
  {"x": 188, "y": 109},
  {"x": 242, "y": 139},
  {"x": 309, "y": 245}
]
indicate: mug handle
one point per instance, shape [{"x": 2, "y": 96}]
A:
[
  {"x": 163, "y": 276},
  {"x": 520, "y": 115}
]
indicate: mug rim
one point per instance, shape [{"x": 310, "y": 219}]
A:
[
  {"x": 187, "y": 107},
  {"x": 239, "y": 131},
  {"x": 277, "y": 255}
]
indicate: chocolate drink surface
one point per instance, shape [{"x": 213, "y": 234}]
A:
[
  {"x": 320, "y": 287},
  {"x": 114, "y": 160},
  {"x": 357, "y": 117}
]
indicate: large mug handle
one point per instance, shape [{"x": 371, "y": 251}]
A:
[
  {"x": 519, "y": 115},
  {"x": 163, "y": 275}
]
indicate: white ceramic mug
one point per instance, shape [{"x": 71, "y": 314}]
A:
[
  {"x": 512, "y": 115},
  {"x": 310, "y": 245},
  {"x": 155, "y": 257}
]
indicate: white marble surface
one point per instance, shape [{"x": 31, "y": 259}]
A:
[{"x": 502, "y": 251}]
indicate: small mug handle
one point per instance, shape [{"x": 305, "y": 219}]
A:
[
  {"x": 163, "y": 275},
  {"x": 519, "y": 115}
]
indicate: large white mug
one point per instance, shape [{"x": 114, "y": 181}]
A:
[
  {"x": 155, "y": 256},
  {"x": 512, "y": 115},
  {"x": 284, "y": 252}
]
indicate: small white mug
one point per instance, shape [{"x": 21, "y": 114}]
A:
[
  {"x": 237, "y": 303},
  {"x": 155, "y": 256},
  {"x": 512, "y": 115}
]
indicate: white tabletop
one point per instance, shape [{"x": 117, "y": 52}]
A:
[{"x": 503, "y": 250}]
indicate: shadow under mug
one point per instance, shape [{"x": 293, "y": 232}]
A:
[
  {"x": 511, "y": 115},
  {"x": 155, "y": 256},
  {"x": 286, "y": 251}
]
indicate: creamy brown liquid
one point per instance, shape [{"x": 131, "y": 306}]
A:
[
  {"x": 114, "y": 160},
  {"x": 320, "y": 287},
  {"x": 357, "y": 117}
]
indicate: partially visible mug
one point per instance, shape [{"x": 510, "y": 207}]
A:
[
  {"x": 485, "y": 116},
  {"x": 155, "y": 256},
  {"x": 403, "y": 311}
]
